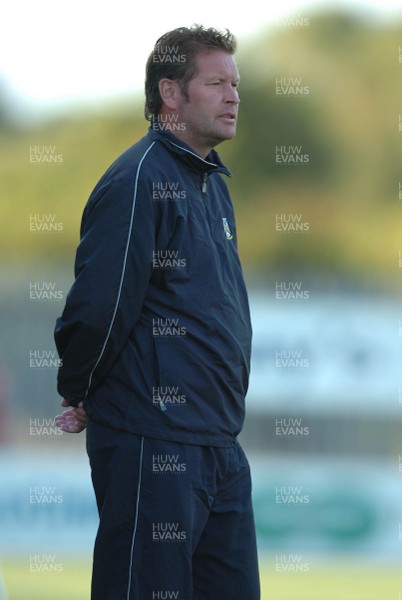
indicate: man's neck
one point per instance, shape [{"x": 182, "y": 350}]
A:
[{"x": 169, "y": 121}]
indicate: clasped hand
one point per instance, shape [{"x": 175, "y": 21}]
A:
[{"x": 73, "y": 420}]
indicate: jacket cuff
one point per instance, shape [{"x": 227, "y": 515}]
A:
[{"x": 72, "y": 401}]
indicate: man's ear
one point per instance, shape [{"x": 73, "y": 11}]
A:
[{"x": 169, "y": 91}]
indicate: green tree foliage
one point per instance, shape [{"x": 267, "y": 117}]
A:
[{"x": 328, "y": 91}]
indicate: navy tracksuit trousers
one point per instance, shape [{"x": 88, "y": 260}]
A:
[{"x": 176, "y": 520}]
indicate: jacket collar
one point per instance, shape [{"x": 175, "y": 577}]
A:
[{"x": 212, "y": 163}]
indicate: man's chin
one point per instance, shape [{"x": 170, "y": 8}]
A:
[{"x": 227, "y": 135}]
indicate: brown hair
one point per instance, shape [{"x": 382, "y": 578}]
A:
[{"x": 174, "y": 57}]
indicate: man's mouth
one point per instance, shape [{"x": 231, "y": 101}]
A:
[{"x": 230, "y": 117}]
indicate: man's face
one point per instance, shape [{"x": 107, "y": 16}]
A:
[{"x": 209, "y": 112}]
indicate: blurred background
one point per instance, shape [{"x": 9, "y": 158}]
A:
[{"x": 317, "y": 189}]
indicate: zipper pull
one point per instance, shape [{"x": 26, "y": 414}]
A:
[
  {"x": 161, "y": 404},
  {"x": 204, "y": 183}
]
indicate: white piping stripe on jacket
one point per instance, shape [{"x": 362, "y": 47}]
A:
[
  {"x": 194, "y": 154},
  {"x": 123, "y": 270},
  {"x": 137, "y": 505},
  {"x": 199, "y": 157}
]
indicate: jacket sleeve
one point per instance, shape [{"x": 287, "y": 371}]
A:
[{"x": 112, "y": 270}]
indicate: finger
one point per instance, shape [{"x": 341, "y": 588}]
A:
[
  {"x": 71, "y": 427},
  {"x": 64, "y": 419},
  {"x": 61, "y": 418},
  {"x": 66, "y": 413},
  {"x": 77, "y": 413}
]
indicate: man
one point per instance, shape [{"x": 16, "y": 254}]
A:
[{"x": 155, "y": 344}]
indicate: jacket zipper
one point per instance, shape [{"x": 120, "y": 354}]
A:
[
  {"x": 204, "y": 183},
  {"x": 206, "y": 203}
]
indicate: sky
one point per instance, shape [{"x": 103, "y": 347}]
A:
[{"x": 54, "y": 54}]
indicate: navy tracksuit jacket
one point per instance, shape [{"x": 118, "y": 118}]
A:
[
  {"x": 168, "y": 322},
  {"x": 155, "y": 339}
]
